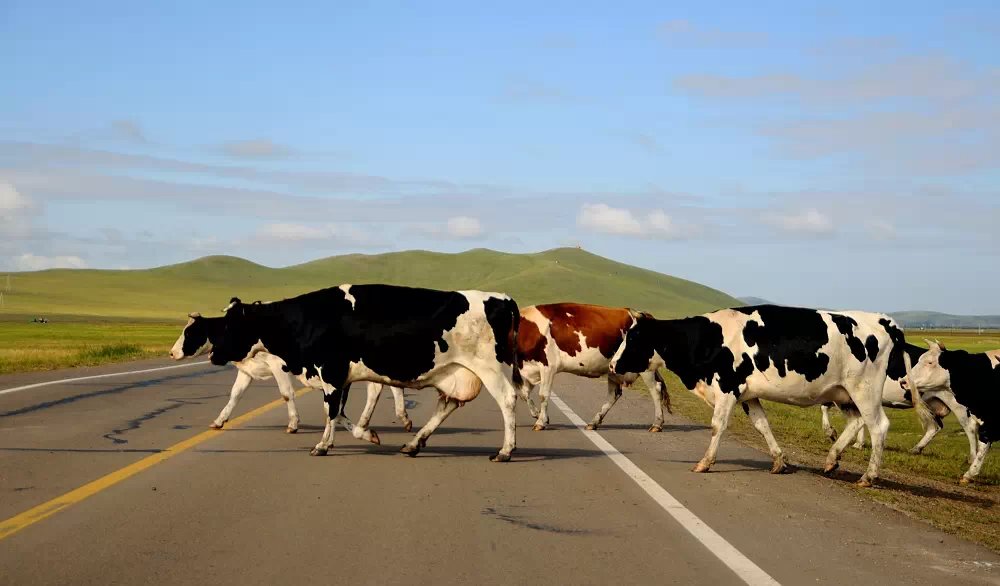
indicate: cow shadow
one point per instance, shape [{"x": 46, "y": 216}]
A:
[
  {"x": 667, "y": 427},
  {"x": 744, "y": 465},
  {"x": 925, "y": 491},
  {"x": 521, "y": 455}
]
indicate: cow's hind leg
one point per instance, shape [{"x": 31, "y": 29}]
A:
[
  {"x": 399, "y": 403},
  {"x": 859, "y": 442},
  {"x": 243, "y": 381},
  {"x": 287, "y": 390},
  {"x": 334, "y": 400},
  {"x": 445, "y": 407},
  {"x": 854, "y": 422},
  {"x": 544, "y": 389},
  {"x": 614, "y": 393},
  {"x": 756, "y": 413},
  {"x": 724, "y": 403},
  {"x": 361, "y": 430},
  {"x": 977, "y": 463}
]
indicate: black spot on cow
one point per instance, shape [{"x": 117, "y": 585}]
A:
[
  {"x": 443, "y": 346},
  {"x": 976, "y": 385},
  {"x": 871, "y": 345},
  {"x": 790, "y": 338},
  {"x": 845, "y": 325},
  {"x": 505, "y": 318}
]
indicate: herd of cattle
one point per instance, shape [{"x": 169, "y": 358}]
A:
[{"x": 460, "y": 341}]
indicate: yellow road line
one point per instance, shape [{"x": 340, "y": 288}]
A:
[{"x": 46, "y": 510}]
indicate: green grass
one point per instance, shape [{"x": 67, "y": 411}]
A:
[
  {"x": 923, "y": 486},
  {"x": 206, "y": 284},
  {"x": 27, "y": 346}
]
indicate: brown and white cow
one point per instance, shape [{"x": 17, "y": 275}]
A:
[{"x": 579, "y": 339}]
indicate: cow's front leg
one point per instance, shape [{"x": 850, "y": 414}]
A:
[
  {"x": 757, "y": 415},
  {"x": 828, "y": 428},
  {"x": 243, "y": 381},
  {"x": 287, "y": 390},
  {"x": 334, "y": 399},
  {"x": 659, "y": 397},
  {"x": 445, "y": 407},
  {"x": 854, "y": 422},
  {"x": 614, "y": 393},
  {"x": 724, "y": 403},
  {"x": 977, "y": 464}
]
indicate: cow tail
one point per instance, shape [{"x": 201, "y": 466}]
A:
[
  {"x": 515, "y": 356},
  {"x": 663, "y": 390}
]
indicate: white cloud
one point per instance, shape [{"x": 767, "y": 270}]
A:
[
  {"x": 463, "y": 227},
  {"x": 810, "y": 222},
  {"x": 33, "y": 262},
  {"x": 16, "y": 210},
  {"x": 605, "y": 219},
  {"x": 257, "y": 148}
]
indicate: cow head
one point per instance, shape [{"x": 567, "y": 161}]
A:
[
  {"x": 635, "y": 355},
  {"x": 195, "y": 338},
  {"x": 233, "y": 341},
  {"x": 930, "y": 373}
]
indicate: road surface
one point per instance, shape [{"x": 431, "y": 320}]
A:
[{"x": 248, "y": 505}]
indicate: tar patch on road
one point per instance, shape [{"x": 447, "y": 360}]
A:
[{"x": 521, "y": 522}]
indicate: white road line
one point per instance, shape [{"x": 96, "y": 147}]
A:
[
  {"x": 748, "y": 571},
  {"x": 80, "y": 378}
]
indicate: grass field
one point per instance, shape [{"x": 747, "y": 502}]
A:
[{"x": 923, "y": 486}]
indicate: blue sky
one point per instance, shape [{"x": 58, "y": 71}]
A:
[{"x": 812, "y": 155}]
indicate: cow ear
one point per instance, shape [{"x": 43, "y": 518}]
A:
[{"x": 194, "y": 315}]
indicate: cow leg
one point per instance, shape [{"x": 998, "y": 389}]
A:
[
  {"x": 724, "y": 403},
  {"x": 656, "y": 394},
  {"x": 399, "y": 402},
  {"x": 361, "y": 430},
  {"x": 932, "y": 425},
  {"x": 859, "y": 443},
  {"x": 854, "y": 422},
  {"x": 544, "y": 389},
  {"x": 757, "y": 415},
  {"x": 287, "y": 390},
  {"x": 505, "y": 395},
  {"x": 827, "y": 426},
  {"x": 524, "y": 391},
  {"x": 243, "y": 381},
  {"x": 977, "y": 464},
  {"x": 877, "y": 423},
  {"x": 334, "y": 399},
  {"x": 445, "y": 407},
  {"x": 614, "y": 393}
]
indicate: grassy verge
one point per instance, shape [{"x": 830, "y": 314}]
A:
[
  {"x": 922, "y": 486},
  {"x": 28, "y": 347}
]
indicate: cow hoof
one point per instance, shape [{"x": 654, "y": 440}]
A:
[
  {"x": 291, "y": 430},
  {"x": 858, "y": 446},
  {"x": 410, "y": 450},
  {"x": 318, "y": 452},
  {"x": 832, "y": 434},
  {"x": 538, "y": 427},
  {"x": 374, "y": 438},
  {"x": 408, "y": 426},
  {"x": 498, "y": 457},
  {"x": 591, "y": 426},
  {"x": 964, "y": 481},
  {"x": 916, "y": 451},
  {"x": 779, "y": 468},
  {"x": 216, "y": 425},
  {"x": 655, "y": 429},
  {"x": 831, "y": 468},
  {"x": 700, "y": 467},
  {"x": 865, "y": 483}
]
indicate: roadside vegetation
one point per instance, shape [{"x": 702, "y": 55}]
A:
[{"x": 923, "y": 486}]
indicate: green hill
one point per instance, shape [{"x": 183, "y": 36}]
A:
[{"x": 206, "y": 284}]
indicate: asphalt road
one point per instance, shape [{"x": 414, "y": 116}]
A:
[{"x": 248, "y": 505}]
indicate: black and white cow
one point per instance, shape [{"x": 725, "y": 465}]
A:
[
  {"x": 973, "y": 382},
  {"x": 895, "y": 396},
  {"x": 197, "y": 338},
  {"x": 456, "y": 341},
  {"x": 784, "y": 354}
]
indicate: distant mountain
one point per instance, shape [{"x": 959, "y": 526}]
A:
[
  {"x": 206, "y": 284},
  {"x": 756, "y": 301},
  {"x": 935, "y": 320}
]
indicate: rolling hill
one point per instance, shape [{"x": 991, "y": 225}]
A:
[
  {"x": 935, "y": 320},
  {"x": 168, "y": 293}
]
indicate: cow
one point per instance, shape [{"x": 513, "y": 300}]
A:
[
  {"x": 196, "y": 339},
  {"x": 784, "y": 354},
  {"x": 972, "y": 381},
  {"x": 894, "y": 396},
  {"x": 579, "y": 339},
  {"x": 456, "y": 341}
]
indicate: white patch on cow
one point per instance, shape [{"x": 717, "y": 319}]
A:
[{"x": 347, "y": 294}]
